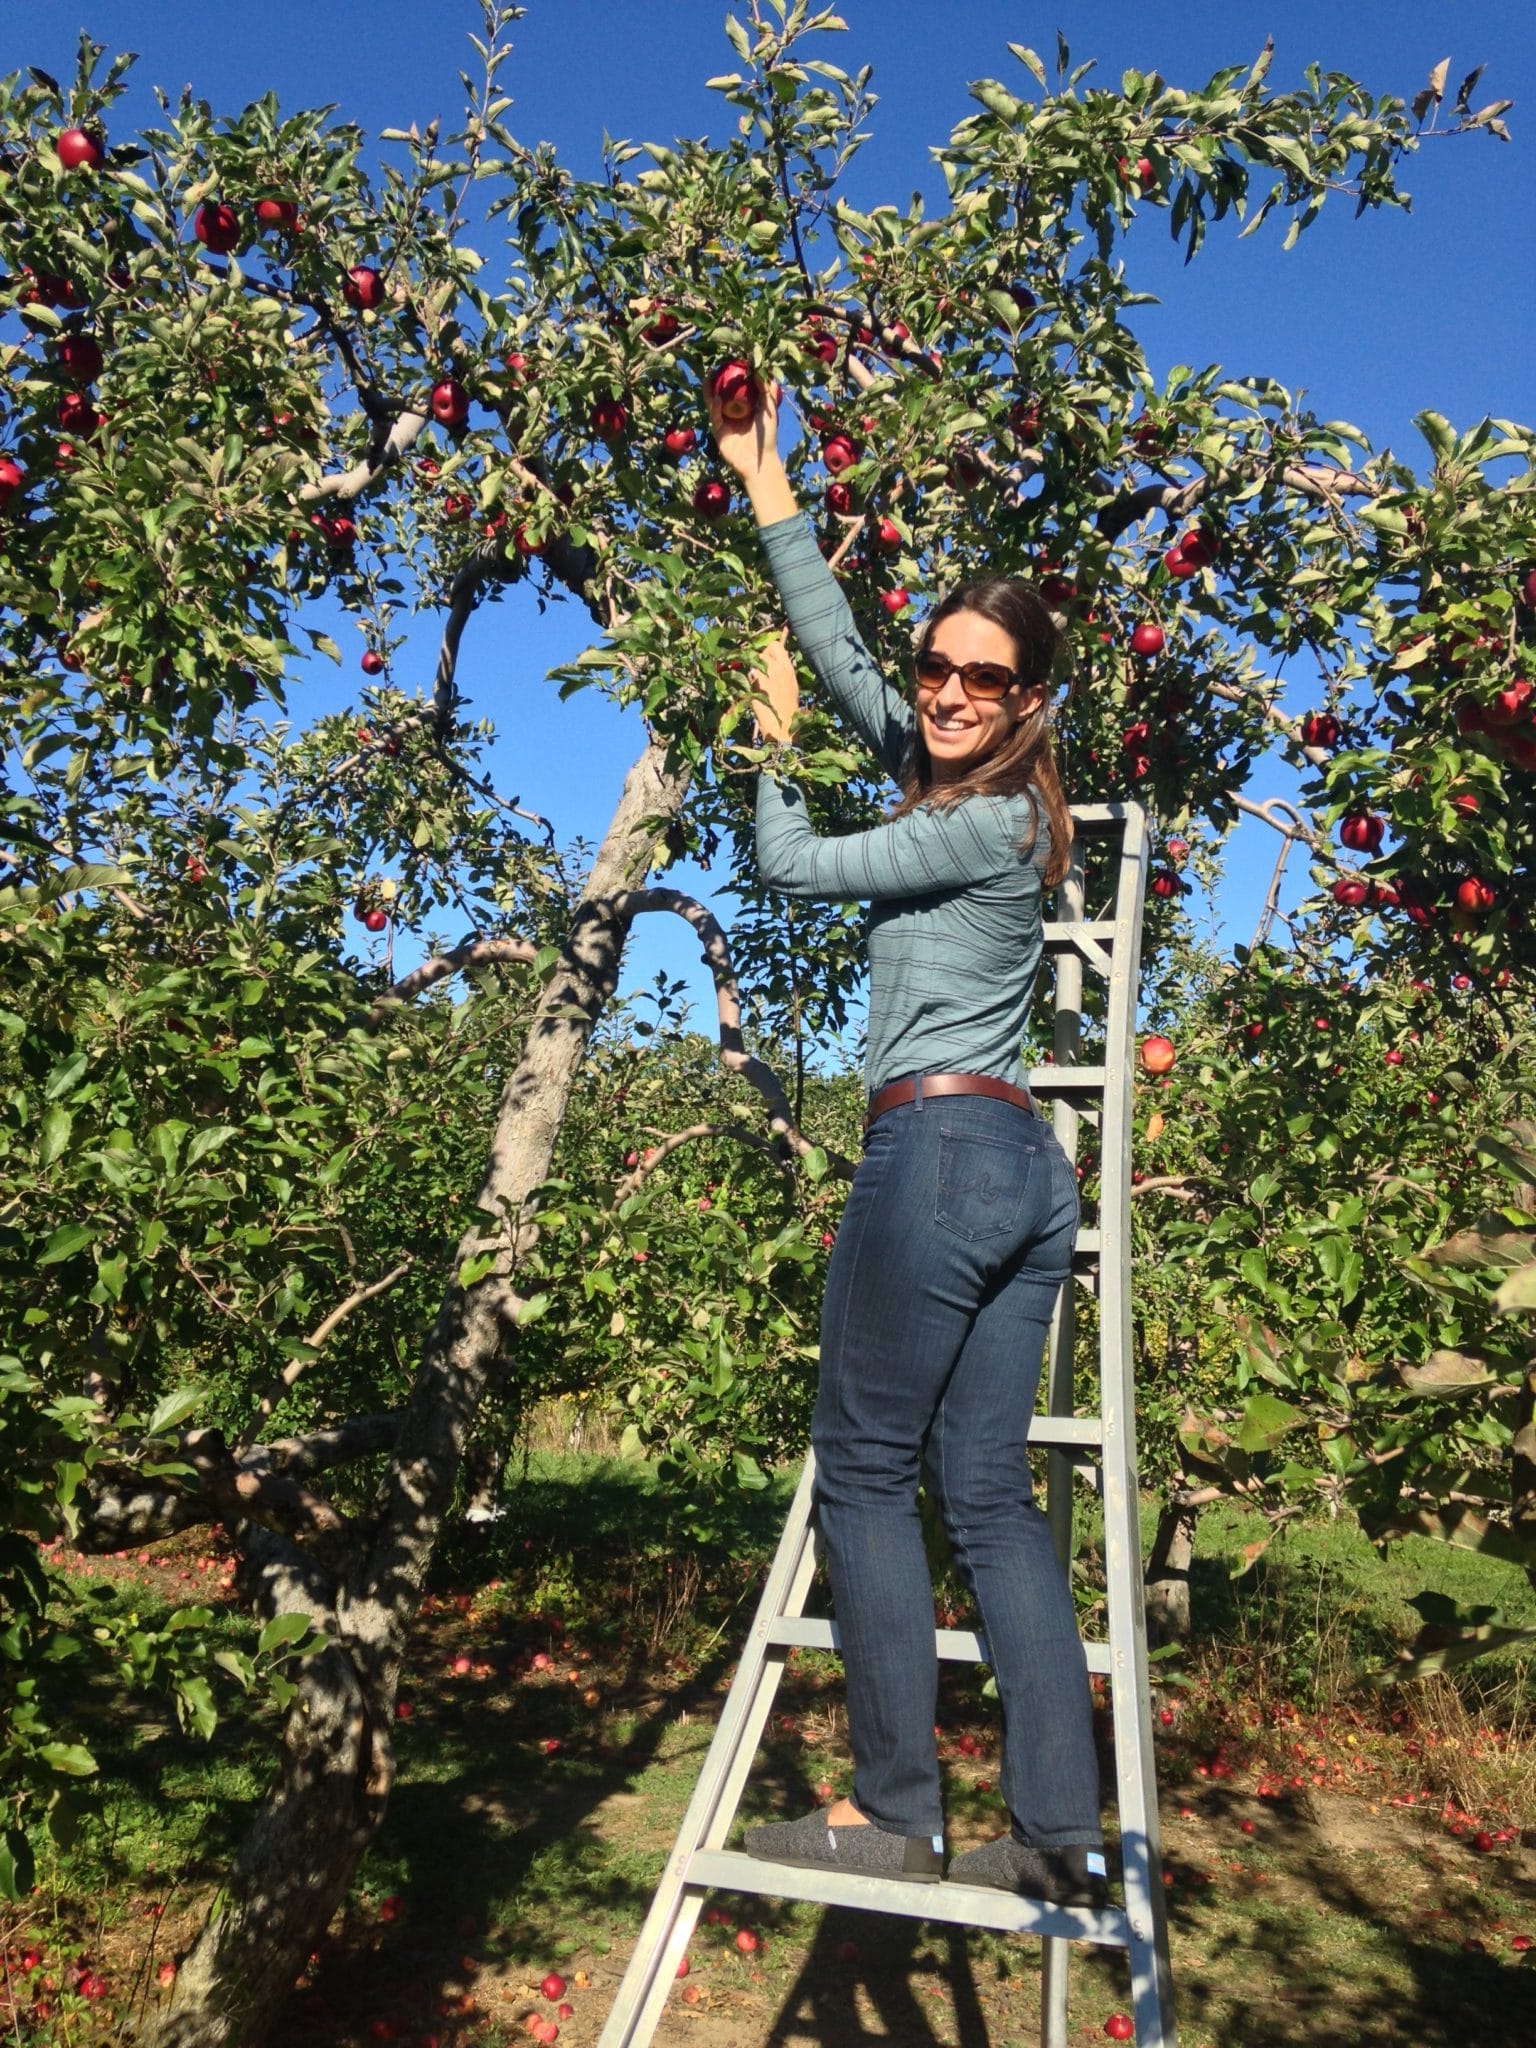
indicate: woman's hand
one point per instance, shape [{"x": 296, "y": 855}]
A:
[
  {"x": 777, "y": 688},
  {"x": 751, "y": 448}
]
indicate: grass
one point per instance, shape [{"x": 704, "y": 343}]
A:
[{"x": 1320, "y": 1890}]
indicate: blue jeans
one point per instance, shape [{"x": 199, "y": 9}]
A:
[{"x": 955, "y": 1242}]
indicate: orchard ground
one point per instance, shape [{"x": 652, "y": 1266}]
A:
[{"x": 1344, "y": 1865}]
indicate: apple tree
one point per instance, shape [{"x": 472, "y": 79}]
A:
[{"x": 258, "y": 379}]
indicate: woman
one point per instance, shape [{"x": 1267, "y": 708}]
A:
[{"x": 959, "y": 1226}]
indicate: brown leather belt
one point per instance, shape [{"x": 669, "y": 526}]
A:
[{"x": 898, "y": 1092}]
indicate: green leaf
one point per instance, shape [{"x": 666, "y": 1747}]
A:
[
  {"x": 281, "y": 1630},
  {"x": 54, "y": 1134},
  {"x": 73, "y": 1759},
  {"x": 17, "y": 1874},
  {"x": 1266, "y": 1421},
  {"x": 174, "y": 1408},
  {"x": 1517, "y": 1292},
  {"x": 474, "y": 1269},
  {"x": 68, "y": 1239}
]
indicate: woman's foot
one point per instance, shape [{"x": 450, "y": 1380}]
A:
[
  {"x": 1072, "y": 1876},
  {"x": 842, "y": 1838}
]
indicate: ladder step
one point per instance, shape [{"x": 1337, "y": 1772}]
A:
[
  {"x": 1066, "y": 1080},
  {"x": 1090, "y": 1243},
  {"x": 963, "y": 1905},
  {"x": 1061, "y": 934},
  {"x": 955, "y": 1645}
]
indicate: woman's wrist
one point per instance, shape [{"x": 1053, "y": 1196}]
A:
[{"x": 770, "y": 495}]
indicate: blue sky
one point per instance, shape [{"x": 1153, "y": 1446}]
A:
[{"x": 1375, "y": 319}]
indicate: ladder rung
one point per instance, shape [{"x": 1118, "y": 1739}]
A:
[
  {"x": 955, "y": 1645},
  {"x": 1066, "y": 1433},
  {"x": 1090, "y": 1242},
  {"x": 963, "y": 1905},
  {"x": 1061, "y": 933},
  {"x": 1066, "y": 1080}
]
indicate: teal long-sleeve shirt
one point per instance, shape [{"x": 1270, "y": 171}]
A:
[{"x": 954, "y": 929}]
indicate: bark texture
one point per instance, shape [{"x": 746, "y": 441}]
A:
[
  {"x": 1167, "y": 1578},
  {"x": 294, "y": 1868}
]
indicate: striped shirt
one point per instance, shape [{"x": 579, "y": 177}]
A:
[{"x": 954, "y": 926}]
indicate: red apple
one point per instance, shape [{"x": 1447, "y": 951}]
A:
[
  {"x": 78, "y": 147},
  {"x": 1362, "y": 831},
  {"x": 822, "y": 346},
  {"x": 457, "y": 508},
  {"x": 80, "y": 358},
  {"x": 277, "y": 213},
  {"x": 1025, "y": 420},
  {"x": 12, "y": 477},
  {"x": 664, "y": 327},
  {"x": 747, "y": 1941},
  {"x": 680, "y": 441},
  {"x": 1393, "y": 1057},
  {"x": 888, "y": 535},
  {"x": 1509, "y": 707},
  {"x": 839, "y": 452},
  {"x": 77, "y": 415},
  {"x": 839, "y": 498},
  {"x": 217, "y": 227},
  {"x": 553, "y": 1985},
  {"x": 373, "y": 662},
  {"x": 1529, "y": 586},
  {"x": 1178, "y": 564},
  {"x": 363, "y": 288},
  {"x": 1165, "y": 884},
  {"x": 1201, "y": 545},
  {"x": 1120, "y": 2027},
  {"x": 895, "y": 601},
  {"x": 1148, "y": 638},
  {"x": 736, "y": 390},
  {"x": 1351, "y": 891},
  {"x": 610, "y": 419},
  {"x": 1474, "y": 895},
  {"x": 525, "y": 544},
  {"x": 374, "y": 921},
  {"x": 684, "y": 1967},
  {"x": 1320, "y": 729},
  {"x": 515, "y": 364},
  {"x": 450, "y": 403},
  {"x": 712, "y": 499},
  {"x": 1158, "y": 1054}
]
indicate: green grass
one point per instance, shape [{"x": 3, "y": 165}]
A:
[{"x": 511, "y": 1857}]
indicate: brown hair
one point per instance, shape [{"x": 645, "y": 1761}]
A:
[{"x": 1025, "y": 762}]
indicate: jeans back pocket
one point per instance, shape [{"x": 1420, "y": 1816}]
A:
[{"x": 981, "y": 1184}]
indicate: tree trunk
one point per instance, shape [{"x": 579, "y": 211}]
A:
[
  {"x": 293, "y": 1870},
  {"x": 1167, "y": 1577}
]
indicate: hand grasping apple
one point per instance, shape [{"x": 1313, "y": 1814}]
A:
[{"x": 744, "y": 418}]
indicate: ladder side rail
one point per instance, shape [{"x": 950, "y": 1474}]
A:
[
  {"x": 674, "y": 1909},
  {"x": 1130, "y": 1699},
  {"x": 1066, "y": 1120}
]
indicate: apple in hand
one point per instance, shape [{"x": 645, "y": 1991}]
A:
[
  {"x": 736, "y": 391},
  {"x": 77, "y": 148}
]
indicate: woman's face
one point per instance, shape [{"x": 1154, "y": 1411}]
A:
[{"x": 960, "y": 731}]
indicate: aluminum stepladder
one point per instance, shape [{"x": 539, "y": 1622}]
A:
[{"x": 1109, "y": 865}]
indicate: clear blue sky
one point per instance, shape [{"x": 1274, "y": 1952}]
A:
[{"x": 1375, "y": 319}]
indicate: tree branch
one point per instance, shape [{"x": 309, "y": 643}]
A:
[{"x": 470, "y": 952}]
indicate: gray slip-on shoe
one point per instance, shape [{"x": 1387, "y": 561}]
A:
[
  {"x": 809, "y": 1843},
  {"x": 1072, "y": 1876}
]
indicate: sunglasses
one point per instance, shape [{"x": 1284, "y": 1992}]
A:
[{"x": 984, "y": 682}]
